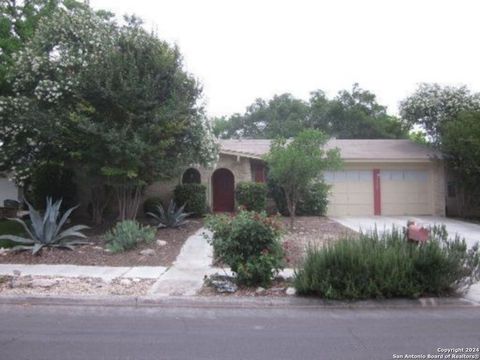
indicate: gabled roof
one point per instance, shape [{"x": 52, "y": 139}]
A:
[{"x": 350, "y": 149}]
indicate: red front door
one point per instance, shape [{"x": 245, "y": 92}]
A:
[{"x": 223, "y": 191}]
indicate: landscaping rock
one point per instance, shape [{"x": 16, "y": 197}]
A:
[
  {"x": 147, "y": 252},
  {"x": 222, "y": 283},
  {"x": 260, "y": 290},
  {"x": 125, "y": 282},
  {"x": 98, "y": 248},
  {"x": 290, "y": 291},
  {"x": 4, "y": 251},
  {"x": 161, "y": 242},
  {"x": 43, "y": 283}
]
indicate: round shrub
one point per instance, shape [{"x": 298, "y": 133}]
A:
[
  {"x": 249, "y": 244},
  {"x": 313, "y": 202},
  {"x": 150, "y": 204},
  {"x": 385, "y": 265},
  {"x": 252, "y": 196},
  {"x": 194, "y": 196}
]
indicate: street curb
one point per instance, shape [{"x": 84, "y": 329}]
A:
[{"x": 217, "y": 302}]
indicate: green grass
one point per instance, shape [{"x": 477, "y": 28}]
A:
[{"x": 8, "y": 227}]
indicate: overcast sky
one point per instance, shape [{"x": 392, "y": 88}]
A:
[{"x": 241, "y": 50}]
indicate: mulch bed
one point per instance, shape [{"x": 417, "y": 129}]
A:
[
  {"x": 310, "y": 231},
  {"x": 95, "y": 254}
]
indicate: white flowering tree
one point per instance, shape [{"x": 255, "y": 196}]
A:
[
  {"x": 112, "y": 99},
  {"x": 432, "y": 106}
]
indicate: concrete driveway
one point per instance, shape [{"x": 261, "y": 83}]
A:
[{"x": 469, "y": 231}]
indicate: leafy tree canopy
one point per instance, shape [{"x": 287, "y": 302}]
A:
[
  {"x": 432, "y": 106},
  {"x": 283, "y": 115},
  {"x": 112, "y": 98},
  {"x": 295, "y": 164}
]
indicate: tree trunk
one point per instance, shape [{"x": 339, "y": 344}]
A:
[
  {"x": 292, "y": 207},
  {"x": 100, "y": 199},
  {"x": 128, "y": 201}
]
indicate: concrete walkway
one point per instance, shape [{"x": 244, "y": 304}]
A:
[
  {"x": 187, "y": 273},
  {"x": 106, "y": 273}
]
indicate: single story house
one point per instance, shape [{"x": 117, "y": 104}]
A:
[{"x": 379, "y": 177}]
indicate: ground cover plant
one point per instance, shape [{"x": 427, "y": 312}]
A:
[
  {"x": 249, "y": 244},
  {"x": 385, "y": 265},
  {"x": 46, "y": 230},
  {"x": 127, "y": 234}
]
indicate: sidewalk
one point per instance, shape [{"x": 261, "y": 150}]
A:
[{"x": 106, "y": 273}]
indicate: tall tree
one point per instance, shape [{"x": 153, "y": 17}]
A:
[
  {"x": 354, "y": 114},
  {"x": 113, "y": 99},
  {"x": 295, "y": 164},
  {"x": 432, "y": 106},
  {"x": 461, "y": 146},
  {"x": 18, "y": 22},
  {"x": 283, "y": 115}
]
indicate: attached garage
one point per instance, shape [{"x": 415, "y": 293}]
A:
[
  {"x": 405, "y": 192},
  {"x": 377, "y": 191},
  {"x": 351, "y": 192}
]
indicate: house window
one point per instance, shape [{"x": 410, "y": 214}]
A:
[
  {"x": 191, "y": 176},
  {"x": 259, "y": 175}
]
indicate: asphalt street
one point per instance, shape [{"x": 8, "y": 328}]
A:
[{"x": 92, "y": 332}]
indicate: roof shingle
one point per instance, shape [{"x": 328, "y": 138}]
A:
[{"x": 350, "y": 149}]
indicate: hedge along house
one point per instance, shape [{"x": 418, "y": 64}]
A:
[{"x": 379, "y": 177}]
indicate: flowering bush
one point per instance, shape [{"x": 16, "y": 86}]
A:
[{"x": 249, "y": 244}]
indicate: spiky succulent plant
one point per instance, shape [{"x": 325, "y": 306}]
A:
[
  {"x": 171, "y": 218},
  {"x": 46, "y": 230}
]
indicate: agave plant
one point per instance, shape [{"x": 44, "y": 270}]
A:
[
  {"x": 47, "y": 230},
  {"x": 171, "y": 218}
]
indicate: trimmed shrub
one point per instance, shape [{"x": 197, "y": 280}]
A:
[
  {"x": 126, "y": 235},
  {"x": 386, "y": 265},
  {"x": 313, "y": 202},
  {"x": 193, "y": 196},
  {"x": 252, "y": 196},
  {"x": 150, "y": 204},
  {"x": 249, "y": 244},
  {"x": 52, "y": 181}
]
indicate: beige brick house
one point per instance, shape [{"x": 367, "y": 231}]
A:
[{"x": 379, "y": 177}]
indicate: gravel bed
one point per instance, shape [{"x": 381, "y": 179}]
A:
[
  {"x": 310, "y": 231},
  {"x": 46, "y": 285}
]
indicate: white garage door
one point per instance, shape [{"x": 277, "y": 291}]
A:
[
  {"x": 351, "y": 192},
  {"x": 8, "y": 190},
  {"x": 405, "y": 192}
]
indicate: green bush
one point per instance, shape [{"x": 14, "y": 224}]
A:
[
  {"x": 252, "y": 196},
  {"x": 193, "y": 196},
  {"x": 249, "y": 244},
  {"x": 126, "y": 235},
  {"x": 53, "y": 181},
  {"x": 313, "y": 202},
  {"x": 150, "y": 204},
  {"x": 386, "y": 265}
]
